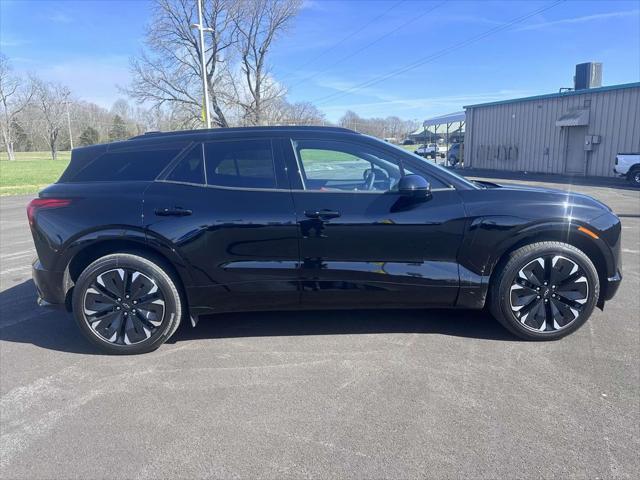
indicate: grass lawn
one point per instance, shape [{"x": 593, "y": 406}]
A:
[{"x": 30, "y": 172}]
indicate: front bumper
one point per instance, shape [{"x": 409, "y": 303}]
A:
[
  {"x": 612, "y": 285},
  {"x": 49, "y": 285}
]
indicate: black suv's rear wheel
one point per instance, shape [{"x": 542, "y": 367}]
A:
[
  {"x": 126, "y": 304},
  {"x": 544, "y": 291}
]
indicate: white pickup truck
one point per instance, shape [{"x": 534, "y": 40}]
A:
[
  {"x": 431, "y": 150},
  {"x": 628, "y": 165}
]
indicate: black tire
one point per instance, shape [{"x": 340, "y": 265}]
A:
[
  {"x": 544, "y": 315},
  {"x": 149, "y": 323},
  {"x": 634, "y": 177}
]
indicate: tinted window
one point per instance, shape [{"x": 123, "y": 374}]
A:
[
  {"x": 244, "y": 164},
  {"x": 128, "y": 165},
  {"x": 191, "y": 168},
  {"x": 331, "y": 165}
]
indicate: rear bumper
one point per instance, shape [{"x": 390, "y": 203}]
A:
[{"x": 49, "y": 285}]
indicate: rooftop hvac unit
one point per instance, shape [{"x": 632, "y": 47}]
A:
[{"x": 588, "y": 75}]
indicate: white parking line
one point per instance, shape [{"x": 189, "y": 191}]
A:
[
  {"x": 24, "y": 268},
  {"x": 22, "y": 253}
]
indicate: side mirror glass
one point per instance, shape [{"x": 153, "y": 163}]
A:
[{"x": 414, "y": 186}]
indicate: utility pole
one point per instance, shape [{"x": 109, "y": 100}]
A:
[
  {"x": 203, "y": 64},
  {"x": 69, "y": 126}
]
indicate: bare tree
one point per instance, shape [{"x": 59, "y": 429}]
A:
[
  {"x": 52, "y": 99},
  {"x": 168, "y": 72},
  {"x": 15, "y": 96},
  {"x": 259, "y": 22},
  {"x": 281, "y": 112},
  {"x": 390, "y": 127}
]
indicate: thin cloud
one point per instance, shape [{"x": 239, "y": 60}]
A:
[
  {"x": 583, "y": 19},
  {"x": 60, "y": 17},
  {"x": 92, "y": 79},
  {"x": 12, "y": 42}
]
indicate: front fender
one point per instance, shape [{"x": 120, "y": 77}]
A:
[{"x": 489, "y": 238}]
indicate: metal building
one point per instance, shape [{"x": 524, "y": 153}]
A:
[{"x": 578, "y": 132}]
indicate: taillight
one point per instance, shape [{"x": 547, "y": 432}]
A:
[{"x": 42, "y": 203}]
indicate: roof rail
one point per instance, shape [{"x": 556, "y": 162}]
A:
[{"x": 240, "y": 129}]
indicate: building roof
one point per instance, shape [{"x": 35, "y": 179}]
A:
[
  {"x": 557, "y": 95},
  {"x": 442, "y": 119}
]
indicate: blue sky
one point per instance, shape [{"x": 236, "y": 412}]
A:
[{"x": 334, "y": 47}]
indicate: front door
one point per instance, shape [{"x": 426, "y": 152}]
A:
[
  {"x": 232, "y": 224},
  {"x": 361, "y": 243},
  {"x": 575, "y": 150}
]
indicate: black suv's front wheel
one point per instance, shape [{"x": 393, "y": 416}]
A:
[
  {"x": 126, "y": 304},
  {"x": 544, "y": 291}
]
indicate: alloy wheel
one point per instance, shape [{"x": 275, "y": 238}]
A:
[
  {"x": 549, "y": 293},
  {"x": 123, "y": 306}
]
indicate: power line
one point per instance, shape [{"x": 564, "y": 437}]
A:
[
  {"x": 351, "y": 35},
  {"x": 368, "y": 45},
  {"x": 436, "y": 55}
]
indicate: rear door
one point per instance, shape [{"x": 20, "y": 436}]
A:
[
  {"x": 361, "y": 243},
  {"x": 225, "y": 208}
]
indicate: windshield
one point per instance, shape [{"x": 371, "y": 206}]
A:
[{"x": 445, "y": 171}]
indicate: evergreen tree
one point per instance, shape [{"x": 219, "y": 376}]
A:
[
  {"x": 118, "y": 130},
  {"x": 90, "y": 136},
  {"x": 21, "y": 139}
]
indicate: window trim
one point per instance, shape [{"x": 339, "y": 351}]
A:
[{"x": 222, "y": 187}]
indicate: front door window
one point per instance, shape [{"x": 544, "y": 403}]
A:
[{"x": 341, "y": 166}]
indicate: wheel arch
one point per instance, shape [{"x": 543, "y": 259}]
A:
[
  {"x": 88, "y": 252},
  {"x": 632, "y": 169},
  {"x": 567, "y": 234}
]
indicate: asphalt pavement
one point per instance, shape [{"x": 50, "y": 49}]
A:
[{"x": 367, "y": 394}]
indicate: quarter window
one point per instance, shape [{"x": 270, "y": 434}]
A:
[
  {"x": 133, "y": 164},
  {"x": 241, "y": 164}
]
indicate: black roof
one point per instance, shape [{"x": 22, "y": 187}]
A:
[{"x": 300, "y": 128}]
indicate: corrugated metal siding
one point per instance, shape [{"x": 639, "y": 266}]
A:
[{"x": 522, "y": 136}]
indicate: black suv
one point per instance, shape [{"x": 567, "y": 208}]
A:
[{"x": 138, "y": 235}]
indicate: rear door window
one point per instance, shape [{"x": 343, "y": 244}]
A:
[
  {"x": 130, "y": 164},
  {"x": 240, "y": 164},
  {"x": 190, "y": 169}
]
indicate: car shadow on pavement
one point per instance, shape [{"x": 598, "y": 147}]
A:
[
  {"x": 453, "y": 322},
  {"x": 22, "y": 321}
]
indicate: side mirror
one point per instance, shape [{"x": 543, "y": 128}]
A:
[{"x": 414, "y": 186}]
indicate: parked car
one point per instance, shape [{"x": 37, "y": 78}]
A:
[
  {"x": 431, "y": 150},
  {"x": 140, "y": 235},
  {"x": 408, "y": 141},
  {"x": 628, "y": 165},
  {"x": 454, "y": 154}
]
